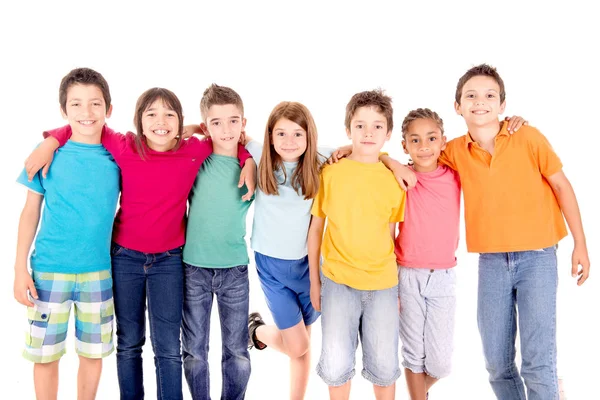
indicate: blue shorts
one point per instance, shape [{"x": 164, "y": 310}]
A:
[{"x": 286, "y": 285}]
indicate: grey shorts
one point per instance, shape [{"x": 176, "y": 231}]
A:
[{"x": 427, "y": 308}]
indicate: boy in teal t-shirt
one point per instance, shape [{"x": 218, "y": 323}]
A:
[{"x": 215, "y": 254}]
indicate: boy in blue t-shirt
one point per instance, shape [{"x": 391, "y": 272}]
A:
[{"x": 71, "y": 260}]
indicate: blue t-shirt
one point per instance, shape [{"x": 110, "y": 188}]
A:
[
  {"x": 280, "y": 227},
  {"x": 80, "y": 197}
]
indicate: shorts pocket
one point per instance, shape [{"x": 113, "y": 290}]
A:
[
  {"x": 38, "y": 324},
  {"x": 107, "y": 313}
]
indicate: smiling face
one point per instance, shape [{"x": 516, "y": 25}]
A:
[
  {"x": 85, "y": 109},
  {"x": 224, "y": 124},
  {"x": 368, "y": 132},
  {"x": 480, "y": 102},
  {"x": 289, "y": 140},
  {"x": 424, "y": 142},
  {"x": 160, "y": 126}
]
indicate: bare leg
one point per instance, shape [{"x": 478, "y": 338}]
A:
[
  {"x": 45, "y": 380},
  {"x": 385, "y": 392},
  {"x": 88, "y": 377},
  {"x": 340, "y": 392},
  {"x": 295, "y": 343},
  {"x": 429, "y": 381}
]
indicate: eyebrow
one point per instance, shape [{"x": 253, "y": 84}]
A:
[
  {"x": 362, "y": 122},
  {"x": 295, "y": 129},
  {"x": 94, "y": 99}
]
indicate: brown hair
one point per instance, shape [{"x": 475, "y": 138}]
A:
[
  {"x": 305, "y": 179},
  {"x": 421, "y": 113},
  {"x": 170, "y": 100},
  {"x": 480, "y": 70},
  {"x": 373, "y": 98},
  {"x": 219, "y": 96},
  {"x": 83, "y": 76}
]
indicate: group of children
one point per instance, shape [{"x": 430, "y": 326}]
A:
[{"x": 343, "y": 241}]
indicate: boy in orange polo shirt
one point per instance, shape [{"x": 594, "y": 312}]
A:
[{"x": 515, "y": 196}]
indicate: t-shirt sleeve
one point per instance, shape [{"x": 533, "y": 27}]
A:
[
  {"x": 255, "y": 148},
  {"x": 243, "y": 155},
  {"x": 548, "y": 161},
  {"x": 36, "y": 183},
  {"x": 115, "y": 143},
  {"x": 61, "y": 134},
  {"x": 398, "y": 211},
  {"x": 201, "y": 148},
  {"x": 318, "y": 202},
  {"x": 447, "y": 156}
]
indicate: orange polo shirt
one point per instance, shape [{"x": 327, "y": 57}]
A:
[{"x": 509, "y": 204}]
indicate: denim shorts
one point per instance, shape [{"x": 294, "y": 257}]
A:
[
  {"x": 49, "y": 317},
  {"x": 427, "y": 309},
  {"x": 286, "y": 285},
  {"x": 346, "y": 315}
]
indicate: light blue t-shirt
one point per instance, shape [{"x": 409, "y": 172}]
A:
[
  {"x": 280, "y": 227},
  {"x": 80, "y": 198}
]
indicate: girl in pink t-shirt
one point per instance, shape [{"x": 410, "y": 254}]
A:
[
  {"x": 425, "y": 252},
  {"x": 158, "y": 170}
]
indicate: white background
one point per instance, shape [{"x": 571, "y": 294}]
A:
[{"x": 318, "y": 54}]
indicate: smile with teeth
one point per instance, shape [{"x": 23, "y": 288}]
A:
[
  {"x": 161, "y": 132},
  {"x": 226, "y": 139},
  {"x": 86, "y": 122},
  {"x": 480, "y": 112}
]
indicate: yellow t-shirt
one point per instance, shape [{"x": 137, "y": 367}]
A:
[
  {"x": 509, "y": 204},
  {"x": 359, "y": 201}
]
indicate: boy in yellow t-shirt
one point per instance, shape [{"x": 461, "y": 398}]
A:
[{"x": 357, "y": 290}]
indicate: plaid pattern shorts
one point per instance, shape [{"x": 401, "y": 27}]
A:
[{"x": 48, "y": 320}]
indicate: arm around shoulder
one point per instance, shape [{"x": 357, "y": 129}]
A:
[{"x": 315, "y": 238}]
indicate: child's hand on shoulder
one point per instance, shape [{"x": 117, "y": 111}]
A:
[
  {"x": 514, "y": 123},
  {"x": 23, "y": 284},
  {"x": 189, "y": 130},
  {"x": 40, "y": 158},
  {"x": 340, "y": 153}
]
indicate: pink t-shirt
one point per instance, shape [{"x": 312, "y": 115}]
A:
[
  {"x": 154, "y": 190},
  {"x": 428, "y": 236}
]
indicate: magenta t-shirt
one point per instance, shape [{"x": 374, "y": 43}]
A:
[
  {"x": 154, "y": 190},
  {"x": 428, "y": 236}
]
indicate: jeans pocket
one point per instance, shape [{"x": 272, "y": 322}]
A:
[
  {"x": 115, "y": 249},
  {"x": 107, "y": 313},
  {"x": 239, "y": 271},
  {"x": 177, "y": 252},
  {"x": 38, "y": 324}
]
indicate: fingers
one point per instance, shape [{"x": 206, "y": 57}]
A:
[
  {"x": 242, "y": 179},
  {"x": 402, "y": 184},
  {"x": 584, "y": 275},
  {"x": 45, "y": 170},
  {"x": 574, "y": 268},
  {"x": 248, "y": 196}
]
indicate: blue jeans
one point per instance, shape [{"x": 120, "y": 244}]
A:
[
  {"x": 158, "y": 280},
  {"x": 231, "y": 287},
  {"x": 519, "y": 287}
]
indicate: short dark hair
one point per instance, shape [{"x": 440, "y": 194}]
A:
[
  {"x": 480, "y": 70},
  {"x": 372, "y": 98},
  {"x": 83, "y": 76}
]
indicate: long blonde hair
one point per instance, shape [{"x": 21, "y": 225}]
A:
[{"x": 305, "y": 179}]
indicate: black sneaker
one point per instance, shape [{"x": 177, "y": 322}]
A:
[{"x": 254, "y": 321}]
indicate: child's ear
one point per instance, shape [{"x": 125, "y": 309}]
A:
[
  {"x": 502, "y": 107},
  {"x": 243, "y": 123},
  {"x": 109, "y": 112},
  {"x": 204, "y": 129},
  {"x": 443, "y": 147},
  {"x": 388, "y": 135},
  {"x": 62, "y": 112},
  {"x": 348, "y": 133},
  {"x": 404, "y": 147},
  {"x": 457, "y": 108}
]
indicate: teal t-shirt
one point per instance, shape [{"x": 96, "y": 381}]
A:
[
  {"x": 216, "y": 226},
  {"x": 80, "y": 197}
]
